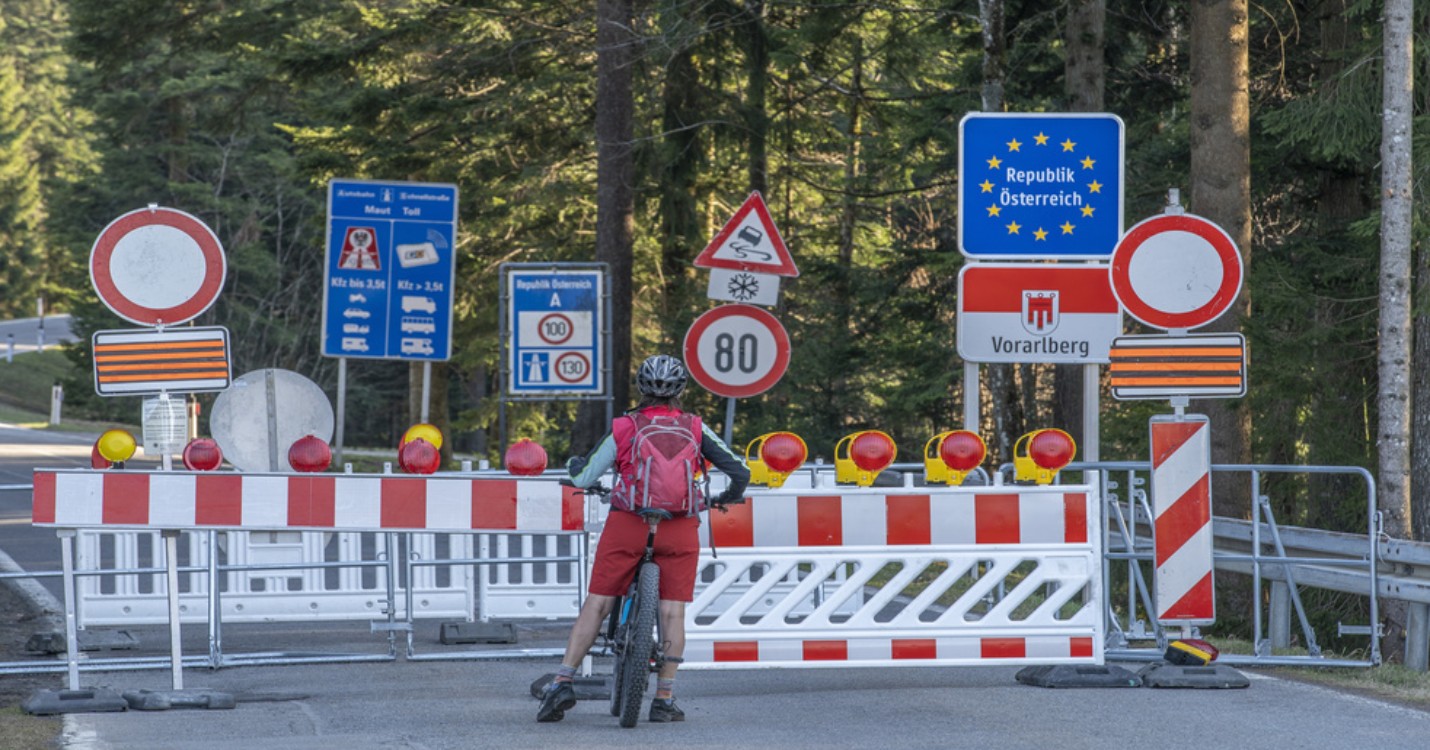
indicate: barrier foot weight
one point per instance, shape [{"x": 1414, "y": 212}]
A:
[
  {"x": 1211, "y": 676},
  {"x": 82, "y": 701},
  {"x": 1078, "y": 675},
  {"x": 163, "y": 700},
  {"x": 591, "y": 688},
  {"x": 53, "y": 642},
  {"x": 477, "y": 632}
]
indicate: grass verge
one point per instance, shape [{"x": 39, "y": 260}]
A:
[{"x": 21, "y": 731}]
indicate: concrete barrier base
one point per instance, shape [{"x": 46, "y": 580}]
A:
[
  {"x": 1212, "y": 676},
  {"x": 163, "y": 700},
  {"x": 1078, "y": 675},
  {"x": 477, "y": 632},
  {"x": 82, "y": 701}
]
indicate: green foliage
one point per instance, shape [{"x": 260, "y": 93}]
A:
[{"x": 241, "y": 112}]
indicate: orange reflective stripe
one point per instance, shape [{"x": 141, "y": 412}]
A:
[{"x": 1188, "y": 351}]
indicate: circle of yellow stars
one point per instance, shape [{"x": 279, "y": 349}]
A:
[{"x": 1041, "y": 139}]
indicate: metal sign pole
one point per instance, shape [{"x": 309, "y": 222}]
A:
[
  {"x": 1091, "y": 413},
  {"x": 171, "y": 571},
  {"x": 970, "y": 396},
  {"x": 426, "y": 389},
  {"x": 342, "y": 408},
  {"x": 729, "y": 421}
]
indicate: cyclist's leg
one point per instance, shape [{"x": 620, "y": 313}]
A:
[
  {"x": 672, "y": 620},
  {"x": 588, "y": 625}
]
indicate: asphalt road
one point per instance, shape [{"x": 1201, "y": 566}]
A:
[
  {"x": 28, "y": 333},
  {"x": 430, "y": 705}
]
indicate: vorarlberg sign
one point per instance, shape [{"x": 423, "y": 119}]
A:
[{"x": 1036, "y": 313}]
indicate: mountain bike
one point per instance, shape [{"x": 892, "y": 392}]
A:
[{"x": 634, "y": 633}]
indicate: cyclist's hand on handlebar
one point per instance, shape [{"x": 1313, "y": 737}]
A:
[
  {"x": 575, "y": 464},
  {"x": 725, "y": 499}
]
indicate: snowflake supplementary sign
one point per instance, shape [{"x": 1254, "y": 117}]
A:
[
  {"x": 1039, "y": 186},
  {"x": 744, "y": 286}
]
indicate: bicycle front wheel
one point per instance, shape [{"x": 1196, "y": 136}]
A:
[{"x": 635, "y": 666}]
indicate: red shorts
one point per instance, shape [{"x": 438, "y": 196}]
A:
[{"x": 677, "y": 552}]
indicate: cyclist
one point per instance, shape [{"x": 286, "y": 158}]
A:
[{"x": 661, "y": 380}]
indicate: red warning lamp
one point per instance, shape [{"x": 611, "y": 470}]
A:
[
  {"x": 96, "y": 461},
  {"x": 873, "y": 451},
  {"x": 950, "y": 456},
  {"x": 780, "y": 454},
  {"x": 202, "y": 454},
  {"x": 417, "y": 456},
  {"x": 525, "y": 458},
  {"x": 1039, "y": 455},
  {"x": 858, "y": 458},
  {"x": 783, "y": 452},
  {"x": 310, "y": 453}
]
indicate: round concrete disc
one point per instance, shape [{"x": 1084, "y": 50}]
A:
[{"x": 263, "y": 412}]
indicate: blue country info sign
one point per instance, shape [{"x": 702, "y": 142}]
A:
[
  {"x": 555, "y": 344},
  {"x": 1040, "y": 186},
  {"x": 390, "y": 267}
]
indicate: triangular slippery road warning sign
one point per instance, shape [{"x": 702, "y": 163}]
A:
[{"x": 749, "y": 242}]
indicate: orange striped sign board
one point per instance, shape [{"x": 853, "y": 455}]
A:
[
  {"x": 1198, "y": 365},
  {"x": 178, "y": 360}
]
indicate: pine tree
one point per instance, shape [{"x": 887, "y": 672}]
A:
[{"x": 21, "y": 262}]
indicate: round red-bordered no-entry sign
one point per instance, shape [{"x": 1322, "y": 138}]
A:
[
  {"x": 157, "y": 266},
  {"x": 737, "y": 350},
  {"x": 1176, "y": 271}
]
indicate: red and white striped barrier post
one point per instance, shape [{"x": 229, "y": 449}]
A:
[{"x": 1181, "y": 504}]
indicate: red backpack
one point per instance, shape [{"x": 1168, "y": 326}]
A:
[{"x": 665, "y": 459}]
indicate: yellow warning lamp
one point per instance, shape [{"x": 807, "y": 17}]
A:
[
  {"x": 1039, "y": 455},
  {"x": 859, "y": 458},
  {"x": 780, "y": 454},
  {"x": 427, "y": 432},
  {"x": 116, "y": 446},
  {"x": 950, "y": 456}
]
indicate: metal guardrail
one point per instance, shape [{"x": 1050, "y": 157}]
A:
[{"x": 1289, "y": 558}]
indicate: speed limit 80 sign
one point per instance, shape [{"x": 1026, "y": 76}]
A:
[{"x": 737, "y": 350}]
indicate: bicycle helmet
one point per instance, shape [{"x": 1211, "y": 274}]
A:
[{"x": 662, "y": 376}]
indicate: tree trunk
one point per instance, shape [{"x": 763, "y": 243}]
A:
[
  {"x": 1006, "y": 417},
  {"x": 615, "y": 201},
  {"x": 678, "y": 170},
  {"x": 1221, "y": 192},
  {"x": 756, "y": 118},
  {"x": 1393, "y": 432},
  {"x": 1085, "y": 82}
]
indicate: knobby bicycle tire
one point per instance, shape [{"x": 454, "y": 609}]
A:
[{"x": 635, "y": 667}]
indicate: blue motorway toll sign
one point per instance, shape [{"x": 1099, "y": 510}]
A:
[
  {"x": 387, "y": 291},
  {"x": 554, "y": 320},
  {"x": 1040, "y": 186}
]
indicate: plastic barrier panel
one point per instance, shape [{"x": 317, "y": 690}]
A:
[
  {"x": 926, "y": 576},
  {"x": 119, "y": 514}
]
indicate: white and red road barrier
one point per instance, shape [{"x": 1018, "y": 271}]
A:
[
  {"x": 1181, "y": 505},
  {"x": 911, "y": 576},
  {"x": 318, "y": 519},
  {"x": 321, "y": 502}
]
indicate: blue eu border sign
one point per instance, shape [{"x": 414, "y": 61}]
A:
[
  {"x": 555, "y": 323},
  {"x": 390, "y": 267},
  {"x": 1040, "y": 186}
]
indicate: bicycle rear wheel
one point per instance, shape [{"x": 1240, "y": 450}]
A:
[{"x": 640, "y": 644}]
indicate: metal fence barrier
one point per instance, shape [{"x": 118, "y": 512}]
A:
[{"x": 511, "y": 575}]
